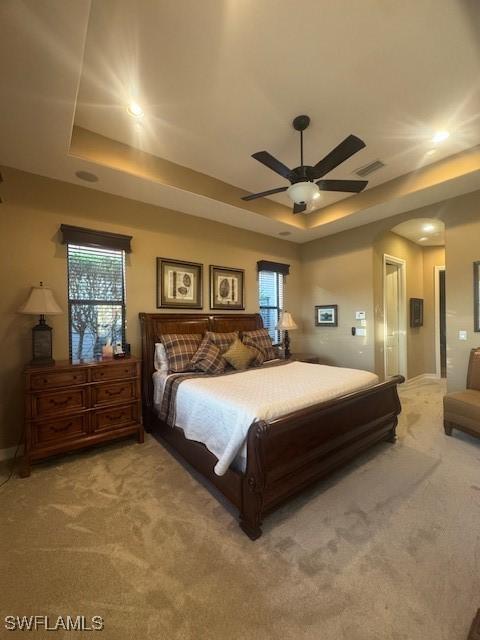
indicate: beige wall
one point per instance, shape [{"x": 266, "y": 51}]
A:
[
  {"x": 33, "y": 209},
  {"x": 339, "y": 270}
]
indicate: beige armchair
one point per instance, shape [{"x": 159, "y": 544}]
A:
[{"x": 461, "y": 409}]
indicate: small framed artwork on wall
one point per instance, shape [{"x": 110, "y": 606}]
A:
[
  {"x": 179, "y": 284},
  {"x": 227, "y": 288},
  {"x": 326, "y": 315},
  {"x": 416, "y": 312}
]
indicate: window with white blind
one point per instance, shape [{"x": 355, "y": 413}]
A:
[
  {"x": 270, "y": 298},
  {"x": 96, "y": 299}
]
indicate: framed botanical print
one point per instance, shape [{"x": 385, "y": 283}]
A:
[
  {"x": 179, "y": 284},
  {"x": 227, "y": 288},
  {"x": 326, "y": 315}
]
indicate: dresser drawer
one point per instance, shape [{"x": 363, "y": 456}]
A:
[
  {"x": 59, "y": 429},
  {"x": 114, "y": 417},
  {"x": 113, "y": 392},
  {"x": 115, "y": 372},
  {"x": 58, "y": 379},
  {"x": 44, "y": 404}
]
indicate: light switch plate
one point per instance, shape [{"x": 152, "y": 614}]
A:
[
  {"x": 462, "y": 335},
  {"x": 361, "y": 332},
  {"x": 359, "y": 315}
]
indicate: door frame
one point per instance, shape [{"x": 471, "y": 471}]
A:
[
  {"x": 436, "y": 303},
  {"x": 402, "y": 295}
]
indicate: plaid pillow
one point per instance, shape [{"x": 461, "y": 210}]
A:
[
  {"x": 208, "y": 358},
  {"x": 180, "y": 349},
  {"x": 221, "y": 340},
  {"x": 260, "y": 339}
]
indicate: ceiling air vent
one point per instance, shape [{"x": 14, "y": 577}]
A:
[{"x": 370, "y": 168}]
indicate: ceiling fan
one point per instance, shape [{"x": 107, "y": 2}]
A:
[{"x": 305, "y": 182}]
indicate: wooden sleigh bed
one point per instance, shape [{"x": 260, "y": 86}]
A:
[{"x": 284, "y": 455}]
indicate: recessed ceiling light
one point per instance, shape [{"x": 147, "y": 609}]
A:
[
  {"x": 135, "y": 110},
  {"x": 428, "y": 227},
  {"x": 430, "y": 152},
  {"x": 87, "y": 176},
  {"x": 440, "y": 136},
  {"x": 422, "y": 239}
]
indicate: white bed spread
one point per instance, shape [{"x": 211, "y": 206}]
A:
[{"x": 218, "y": 411}]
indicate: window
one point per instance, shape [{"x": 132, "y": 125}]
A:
[
  {"x": 270, "y": 298},
  {"x": 96, "y": 299}
]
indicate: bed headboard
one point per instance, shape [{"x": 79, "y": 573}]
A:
[{"x": 153, "y": 325}]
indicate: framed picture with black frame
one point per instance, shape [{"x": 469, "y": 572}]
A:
[
  {"x": 476, "y": 295},
  {"x": 179, "y": 284},
  {"x": 326, "y": 315},
  {"x": 227, "y": 288},
  {"x": 416, "y": 312}
]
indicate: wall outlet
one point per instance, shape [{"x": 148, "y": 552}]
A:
[{"x": 462, "y": 335}]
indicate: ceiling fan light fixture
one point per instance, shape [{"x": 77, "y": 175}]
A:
[{"x": 303, "y": 192}]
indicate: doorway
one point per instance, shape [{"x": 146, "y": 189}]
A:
[
  {"x": 394, "y": 299},
  {"x": 440, "y": 323}
]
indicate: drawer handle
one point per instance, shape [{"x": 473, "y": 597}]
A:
[
  {"x": 112, "y": 417},
  {"x": 115, "y": 393},
  {"x": 60, "y": 403},
  {"x": 58, "y": 429}
]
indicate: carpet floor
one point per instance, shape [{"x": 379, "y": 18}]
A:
[{"x": 387, "y": 549}]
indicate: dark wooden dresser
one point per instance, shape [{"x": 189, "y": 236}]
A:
[{"x": 71, "y": 406}]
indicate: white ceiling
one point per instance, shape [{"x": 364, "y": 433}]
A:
[
  {"x": 426, "y": 232},
  {"x": 220, "y": 79}
]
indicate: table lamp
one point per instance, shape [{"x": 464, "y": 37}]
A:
[
  {"x": 41, "y": 302},
  {"x": 286, "y": 323}
]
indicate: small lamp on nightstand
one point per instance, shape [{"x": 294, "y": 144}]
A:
[
  {"x": 286, "y": 324},
  {"x": 41, "y": 302}
]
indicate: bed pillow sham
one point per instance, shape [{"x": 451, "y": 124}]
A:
[
  {"x": 239, "y": 355},
  {"x": 221, "y": 340},
  {"x": 260, "y": 339},
  {"x": 160, "y": 360},
  {"x": 180, "y": 349},
  {"x": 208, "y": 358}
]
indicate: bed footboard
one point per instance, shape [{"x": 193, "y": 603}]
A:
[{"x": 291, "y": 452}]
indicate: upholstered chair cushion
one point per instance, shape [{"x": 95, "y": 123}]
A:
[
  {"x": 462, "y": 409},
  {"x": 208, "y": 358},
  {"x": 180, "y": 349},
  {"x": 239, "y": 355}
]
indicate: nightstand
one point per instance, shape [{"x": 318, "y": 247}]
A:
[
  {"x": 305, "y": 357},
  {"x": 72, "y": 406}
]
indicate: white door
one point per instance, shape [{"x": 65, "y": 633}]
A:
[{"x": 392, "y": 319}]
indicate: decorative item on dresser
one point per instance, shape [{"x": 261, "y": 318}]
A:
[
  {"x": 71, "y": 406},
  {"x": 286, "y": 323},
  {"x": 41, "y": 303}
]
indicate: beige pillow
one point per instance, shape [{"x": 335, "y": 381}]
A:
[{"x": 239, "y": 355}]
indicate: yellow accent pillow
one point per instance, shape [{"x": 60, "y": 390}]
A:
[{"x": 239, "y": 355}]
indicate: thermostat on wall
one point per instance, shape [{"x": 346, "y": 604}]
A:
[{"x": 360, "y": 315}]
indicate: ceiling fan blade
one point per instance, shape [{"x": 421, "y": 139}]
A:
[
  {"x": 272, "y": 163},
  {"x": 351, "y": 186},
  {"x": 342, "y": 152},
  {"x": 299, "y": 208},
  {"x": 252, "y": 196}
]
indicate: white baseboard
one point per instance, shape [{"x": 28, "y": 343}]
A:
[
  {"x": 7, "y": 454},
  {"x": 419, "y": 379}
]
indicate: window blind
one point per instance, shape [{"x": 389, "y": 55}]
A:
[
  {"x": 96, "y": 299},
  {"x": 270, "y": 298}
]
